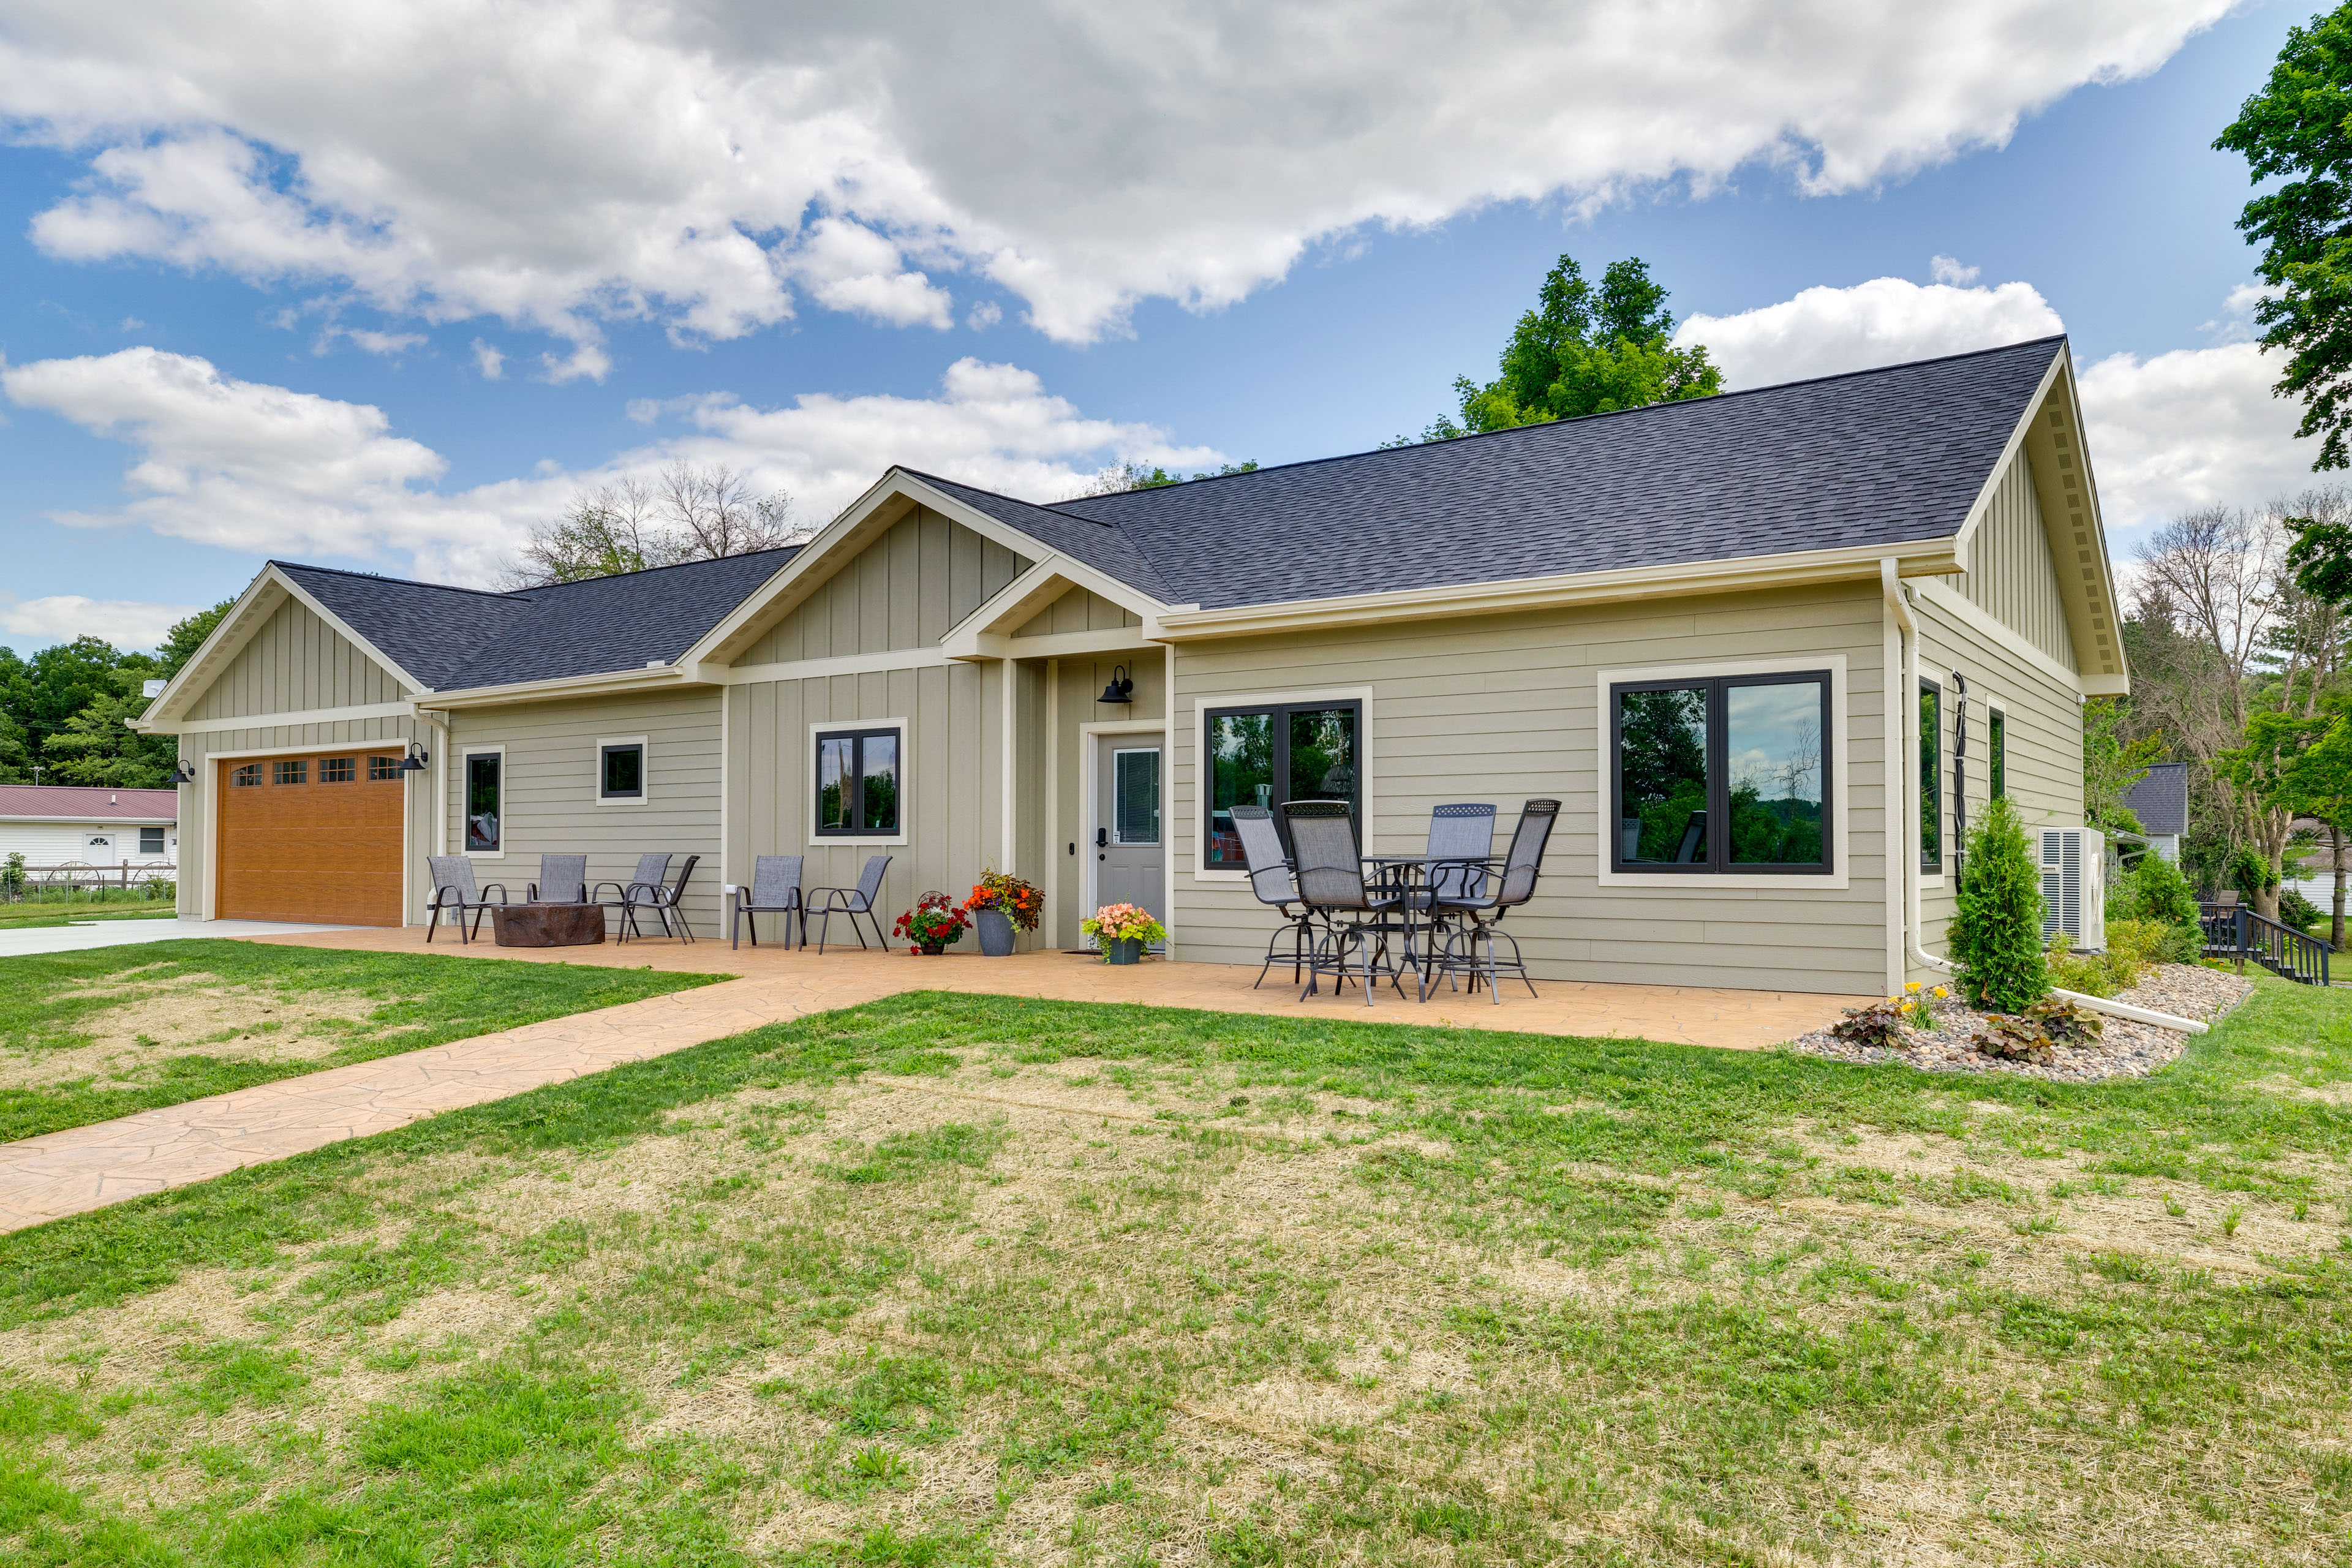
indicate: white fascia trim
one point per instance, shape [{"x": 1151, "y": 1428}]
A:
[
  {"x": 1699, "y": 884},
  {"x": 1027, "y": 595},
  {"x": 1055, "y": 645},
  {"x": 1964, "y": 541},
  {"x": 1951, "y": 601},
  {"x": 237, "y": 629},
  {"x": 645, "y": 680},
  {"x": 281, "y": 721},
  {"x": 1920, "y": 558},
  {"x": 842, "y": 664}
]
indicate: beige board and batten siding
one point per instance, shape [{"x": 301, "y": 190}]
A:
[
  {"x": 1505, "y": 709},
  {"x": 1079, "y": 610},
  {"x": 2011, "y": 576},
  {"x": 903, "y": 590},
  {"x": 899, "y": 595},
  {"x": 552, "y": 778},
  {"x": 294, "y": 663}
]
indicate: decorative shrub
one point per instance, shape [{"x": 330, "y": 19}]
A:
[
  {"x": 2062, "y": 1023},
  {"x": 934, "y": 919},
  {"x": 1879, "y": 1025},
  {"x": 2133, "y": 945},
  {"x": 2298, "y": 912},
  {"x": 2013, "y": 1039},
  {"x": 1996, "y": 930},
  {"x": 999, "y": 891},
  {"x": 1124, "y": 922}
]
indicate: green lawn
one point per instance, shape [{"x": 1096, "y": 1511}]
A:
[
  {"x": 73, "y": 911},
  {"x": 949, "y": 1279},
  {"x": 85, "y": 1037}
]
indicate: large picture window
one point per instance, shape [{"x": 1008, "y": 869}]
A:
[
  {"x": 1722, "y": 773},
  {"x": 485, "y": 800},
  {"x": 858, "y": 777},
  {"x": 1931, "y": 776},
  {"x": 1266, "y": 755}
]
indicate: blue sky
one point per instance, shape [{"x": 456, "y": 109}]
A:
[{"x": 2108, "y": 202}]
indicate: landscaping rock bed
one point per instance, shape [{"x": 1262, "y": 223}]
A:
[{"x": 2123, "y": 1049}]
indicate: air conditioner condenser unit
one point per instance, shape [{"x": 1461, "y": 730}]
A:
[{"x": 2075, "y": 884}]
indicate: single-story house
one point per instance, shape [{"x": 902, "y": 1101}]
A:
[
  {"x": 1781, "y": 610},
  {"x": 2160, "y": 801},
  {"x": 59, "y": 825}
]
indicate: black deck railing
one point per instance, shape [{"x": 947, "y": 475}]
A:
[{"x": 2235, "y": 932}]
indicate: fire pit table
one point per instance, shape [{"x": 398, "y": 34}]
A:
[{"x": 548, "y": 925}]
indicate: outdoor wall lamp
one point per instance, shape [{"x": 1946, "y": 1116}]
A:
[
  {"x": 1120, "y": 688},
  {"x": 185, "y": 773},
  {"x": 414, "y": 762}
]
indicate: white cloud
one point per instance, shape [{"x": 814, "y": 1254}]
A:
[
  {"x": 271, "y": 471},
  {"x": 489, "y": 361},
  {"x": 374, "y": 343},
  {"x": 1825, "y": 330},
  {"x": 1948, "y": 269},
  {"x": 560, "y": 164},
  {"x": 61, "y": 617},
  {"x": 2190, "y": 429}
]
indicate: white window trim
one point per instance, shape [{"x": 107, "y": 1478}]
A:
[
  {"x": 807, "y": 766},
  {"x": 645, "y": 771},
  {"x": 1943, "y": 685},
  {"x": 1701, "y": 885},
  {"x": 1203, "y": 777},
  {"x": 505, "y": 787}
]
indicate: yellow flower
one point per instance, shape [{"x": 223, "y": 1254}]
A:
[
  {"x": 1941, "y": 994},
  {"x": 1912, "y": 988}
]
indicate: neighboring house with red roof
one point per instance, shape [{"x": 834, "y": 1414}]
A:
[{"x": 57, "y": 825}]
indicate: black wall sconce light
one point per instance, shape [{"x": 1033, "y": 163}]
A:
[
  {"x": 1120, "y": 688},
  {"x": 414, "y": 762},
  {"x": 185, "y": 773}
]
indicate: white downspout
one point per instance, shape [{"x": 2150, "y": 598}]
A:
[
  {"x": 440, "y": 722},
  {"x": 1907, "y": 632}
]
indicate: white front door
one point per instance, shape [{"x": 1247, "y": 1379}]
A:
[
  {"x": 98, "y": 850},
  {"x": 1130, "y": 865}
]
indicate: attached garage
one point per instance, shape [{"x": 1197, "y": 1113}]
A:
[{"x": 311, "y": 835}]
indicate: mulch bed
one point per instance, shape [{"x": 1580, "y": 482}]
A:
[{"x": 2123, "y": 1049}]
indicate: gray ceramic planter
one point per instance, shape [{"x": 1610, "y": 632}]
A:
[
  {"x": 1125, "y": 949},
  {"x": 995, "y": 932}
]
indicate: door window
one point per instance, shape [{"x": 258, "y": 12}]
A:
[{"x": 1135, "y": 796}]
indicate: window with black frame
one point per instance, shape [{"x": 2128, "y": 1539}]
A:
[
  {"x": 1931, "y": 776},
  {"x": 1996, "y": 743},
  {"x": 1268, "y": 753},
  {"x": 857, "y": 782},
  {"x": 621, "y": 770},
  {"x": 485, "y": 804},
  {"x": 1722, "y": 773}
]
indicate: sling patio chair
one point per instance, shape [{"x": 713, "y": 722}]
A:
[
  {"x": 1461, "y": 847},
  {"x": 1330, "y": 872},
  {"x": 851, "y": 901},
  {"x": 643, "y": 884},
  {"x": 1479, "y": 916},
  {"x": 776, "y": 890},
  {"x": 454, "y": 890},
  {"x": 563, "y": 879},
  {"x": 1272, "y": 881},
  {"x": 662, "y": 898}
]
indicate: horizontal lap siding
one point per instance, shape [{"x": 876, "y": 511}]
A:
[
  {"x": 550, "y": 805},
  {"x": 903, "y": 590},
  {"x": 296, "y": 662},
  {"x": 1505, "y": 709}
]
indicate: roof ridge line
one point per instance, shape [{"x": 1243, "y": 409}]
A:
[{"x": 517, "y": 595}]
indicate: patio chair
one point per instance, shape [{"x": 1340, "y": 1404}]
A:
[
  {"x": 776, "y": 890},
  {"x": 661, "y": 898},
  {"x": 1480, "y": 915},
  {"x": 851, "y": 901},
  {"x": 1330, "y": 872},
  {"x": 645, "y": 884},
  {"x": 1460, "y": 848},
  {"x": 1272, "y": 881},
  {"x": 563, "y": 879},
  {"x": 454, "y": 890}
]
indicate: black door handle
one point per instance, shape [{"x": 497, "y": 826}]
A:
[{"x": 1102, "y": 837}]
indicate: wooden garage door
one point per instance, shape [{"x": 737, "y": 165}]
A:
[{"x": 311, "y": 836}]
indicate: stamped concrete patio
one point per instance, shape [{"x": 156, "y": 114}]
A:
[{"x": 85, "y": 1168}]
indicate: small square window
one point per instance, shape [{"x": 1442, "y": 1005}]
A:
[
  {"x": 246, "y": 777},
  {"x": 337, "y": 769},
  {"x": 383, "y": 768},
  {"x": 291, "y": 771},
  {"x": 150, "y": 841},
  {"x": 621, "y": 772}
]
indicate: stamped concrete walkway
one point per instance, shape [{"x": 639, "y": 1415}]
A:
[{"x": 85, "y": 1168}]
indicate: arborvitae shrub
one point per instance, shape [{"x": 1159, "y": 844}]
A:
[{"x": 1996, "y": 931}]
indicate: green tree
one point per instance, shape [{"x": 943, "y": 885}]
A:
[
  {"x": 97, "y": 746},
  {"x": 2297, "y": 132},
  {"x": 179, "y": 644},
  {"x": 1584, "y": 351},
  {"x": 1995, "y": 935},
  {"x": 2113, "y": 760}
]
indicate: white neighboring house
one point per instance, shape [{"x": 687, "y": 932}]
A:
[{"x": 56, "y": 825}]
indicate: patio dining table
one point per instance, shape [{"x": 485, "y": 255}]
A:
[{"x": 1401, "y": 877}]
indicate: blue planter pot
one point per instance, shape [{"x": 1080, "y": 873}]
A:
[{"x": 1126, "y": 950}]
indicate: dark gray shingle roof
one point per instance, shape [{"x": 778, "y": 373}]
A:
[
  {"x": 1874, "y": 456},
  {"x": 2161, "y": 800},
  {"x": 456, "y": 639}
]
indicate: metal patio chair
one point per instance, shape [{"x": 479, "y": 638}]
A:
[
  {"x": 1480, "y": 915},
  {"x": 1272, "y": 879},
  {"x": 645, "y": 883},
  {"x": 662, "y": 898},
  {"x": 454, "y": 890},
  {"x": 776, "y": 890},
  {"x": 851, "y": 901},
  {"x": 1330, "y": 867},
  {"x": 1461, "y": 845},
  {"x": 563, "y": 879}
]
